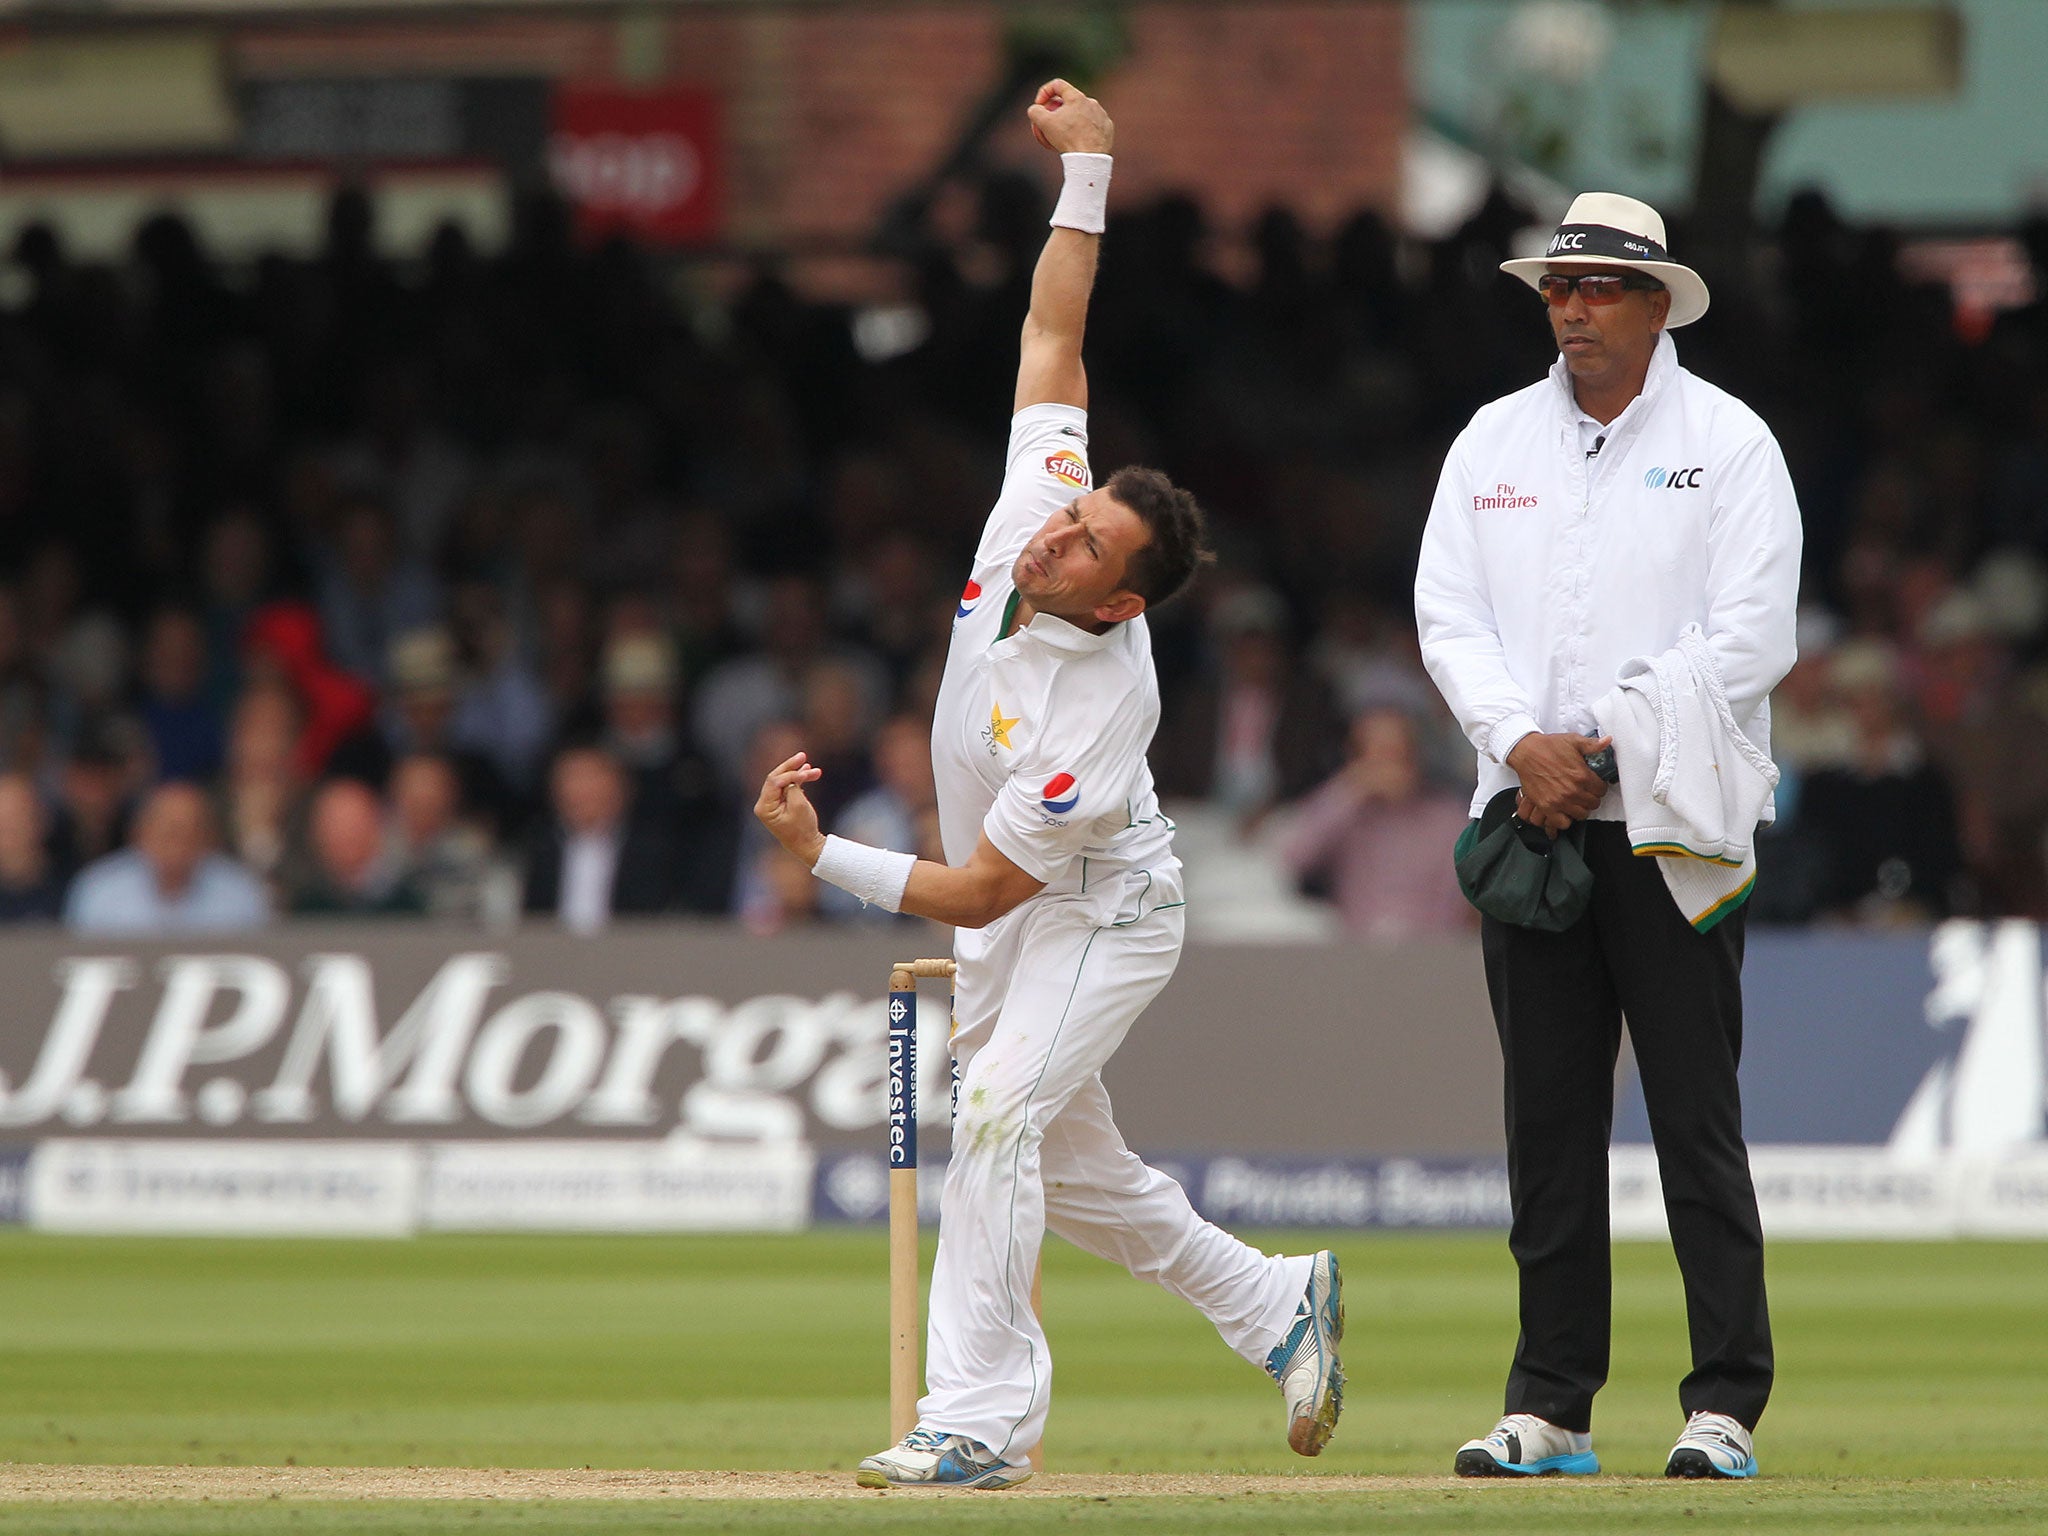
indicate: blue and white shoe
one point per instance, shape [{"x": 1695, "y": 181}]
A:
[
  {"x": 1713, "y": 1445},
  {"x": 1522, "y": 1445},
  {"x": 1305, "y": 1362},
  {"x": 931, "y": 1458}
]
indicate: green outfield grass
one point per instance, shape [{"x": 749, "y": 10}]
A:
[{"x": 1913, "y": 1382}]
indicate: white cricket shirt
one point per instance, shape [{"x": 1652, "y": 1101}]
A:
[
  {"x": 1039, "y": 739},
  {"x": 1543, "y": 569}
]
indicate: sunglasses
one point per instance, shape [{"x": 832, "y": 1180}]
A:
[{"x": 1594, "y": 288}]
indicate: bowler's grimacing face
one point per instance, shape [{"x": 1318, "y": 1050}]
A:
[{"x": 1077, "y": 561}]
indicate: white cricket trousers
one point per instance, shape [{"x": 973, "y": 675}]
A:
[{"x": 1044, "y": 998}]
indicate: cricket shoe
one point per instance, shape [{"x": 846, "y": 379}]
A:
[
  {"x": 931, "y": 1458},
  {"x": 1523, "y": 1445},
  {"x": 1305, "y": 1362},
  {"x": 1713, "y": 1445}
]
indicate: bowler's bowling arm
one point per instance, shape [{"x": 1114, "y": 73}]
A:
[{"x": 1049, "y": 370}]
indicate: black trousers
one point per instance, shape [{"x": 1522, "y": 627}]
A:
[{"x": 1558, "y": 1002}]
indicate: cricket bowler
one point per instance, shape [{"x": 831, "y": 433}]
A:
[{"x": 1061, "y": 880}]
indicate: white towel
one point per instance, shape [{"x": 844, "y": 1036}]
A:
[{"x": 1693, "y": 785}]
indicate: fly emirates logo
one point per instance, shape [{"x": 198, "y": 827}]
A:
[{"x": 1504, "y": 498}]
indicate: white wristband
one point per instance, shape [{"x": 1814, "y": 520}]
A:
[
  {"x": 876, "y": 875},
  {"x": 1084, "y": 200}
]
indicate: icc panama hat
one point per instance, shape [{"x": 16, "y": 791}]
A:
[
  {"x": 1518, "y": 873},
  {"x": 1605, "y": 229}
]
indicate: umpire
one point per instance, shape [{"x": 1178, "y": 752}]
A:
[{"x": 1583, "y": 523}]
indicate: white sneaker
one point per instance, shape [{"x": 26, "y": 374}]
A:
[
  {"x": 930, "y": 1458},
  {"x": 1305, "y": 1362},
  {"x": 1522, "y": 1445},
  {"x": 1713, "y": 1445}
]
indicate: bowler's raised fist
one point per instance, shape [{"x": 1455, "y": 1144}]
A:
[{"x": 1067, "y": 120}]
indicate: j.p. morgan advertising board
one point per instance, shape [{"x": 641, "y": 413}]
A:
[
  {"x": 368, "y": 1043},
  {"x": 379, "y": 1080},
  {"x": 383, "y": 1079},
  {"x": 403, "y": 1032}
]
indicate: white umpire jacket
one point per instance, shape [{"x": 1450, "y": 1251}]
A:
[{"x": 1544, "y": 570}]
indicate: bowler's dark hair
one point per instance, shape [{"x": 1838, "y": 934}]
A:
[{"x": 1179, "y": 544}]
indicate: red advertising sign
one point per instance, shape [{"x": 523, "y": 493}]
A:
[{"x": 640, "y": 163}]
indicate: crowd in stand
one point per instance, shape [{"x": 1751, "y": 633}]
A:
[{"x": 490, "y": 585}]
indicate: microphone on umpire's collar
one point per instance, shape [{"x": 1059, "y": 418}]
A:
[{"x": 1598, "y": 443}]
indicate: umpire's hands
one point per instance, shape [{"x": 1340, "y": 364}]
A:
[
  {"x": 785, "y": 810},
  {"x": 1068, "y": 120},
  {"x": 1557, "y": 786}
]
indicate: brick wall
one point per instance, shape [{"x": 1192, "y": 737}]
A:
[{"x": 830, "y": 112}]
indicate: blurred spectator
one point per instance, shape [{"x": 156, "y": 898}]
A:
[
  {"x": 1885, "y": 821},
  {"x": 1988, "y": 734},
  {"x": 421, "y": 717},
  {"x": 50, "y": 589},
  {"x": 1259, "y": 731},
  {"x": 183, "y": 724},
  {"x": 420, "y": 697},
  {"x": 234, "y": 578},
  {"x": 1810, "y": 728},
  {"x": 282, "y": 643},
  {"x": 760, "y": 893},
  {"x": 834, "y": 725},
  {"x": 401, "y": 461},
  {"x": 549, "y": 550},
  {"x": 370, "y": 592},
  {"x": 260, "y": 798},
  {"x": 30, "y": 888},
  {"x": 783, "y": 893},
  {"x": 674, "y": 787},
  {"x": 701, "y": 595},
  {"x": 502, "y": 713},
  {"x": 449, "y": 861},
  {"x": 565, "y": 646},
  {"x": 593, "y": 862},
  {"x": 744, "y": 694},
  {"x": 23, "y": 705},
  {"x": 900, "y": 811},
  {"x": 95, "y": 788},
  {"x": 1381, "y": 840},
  {"x": 540, "y": 452},
  {"x": 640, "y": 682},
  {"x": 88, "y": 674},
  {"x": 355, "y": 871},
  {"x": 172, "y": 881},
  {"x": 892, "y": 595},
  {"x": 1373, "y": 660}
]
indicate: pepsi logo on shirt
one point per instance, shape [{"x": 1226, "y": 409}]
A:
[
  {"x": 968, "y": 598},
  {"x": 1060, "y": 795}
]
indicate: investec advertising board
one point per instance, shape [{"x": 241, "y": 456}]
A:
[{"x": 381, "y": 1079}]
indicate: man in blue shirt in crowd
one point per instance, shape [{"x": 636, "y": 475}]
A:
[{"x": 171, "y": 880}]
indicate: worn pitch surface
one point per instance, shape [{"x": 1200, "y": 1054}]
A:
[
  {"x": 62, "y": 1482},
  {"x": 622, "y": 1384}
]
